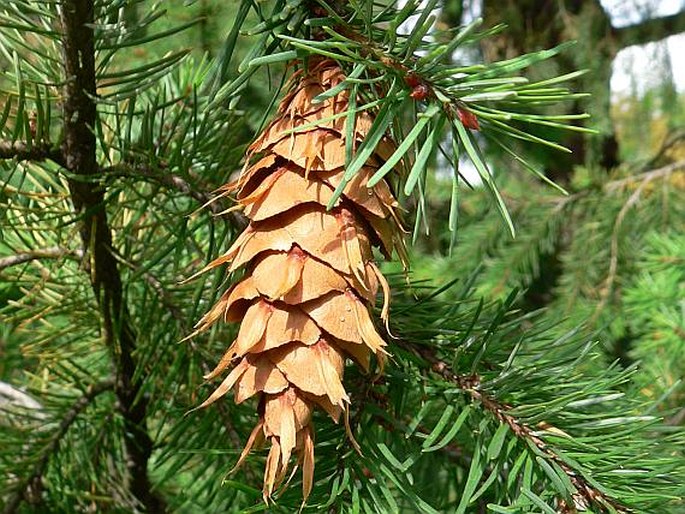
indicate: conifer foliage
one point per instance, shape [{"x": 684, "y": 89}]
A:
[
  {"x": 310, "y": 281},
  {"x": 319, "y": 122}
]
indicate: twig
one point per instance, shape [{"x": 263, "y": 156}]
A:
[
  {"x": 177, "y": 313},
  {"x": 677, "y": 419},
  {"x": 175, "y": 182},
  {"x": 33, "y": 481},
  {"x": 663, "y": 171},
  {"x": 585, "y": 495},
  {"x": 38, "y": 151},
  {"x": 671, "y": 140},
  {"x": 54, "y": 252},
  {"x": 615, "y": 185}
]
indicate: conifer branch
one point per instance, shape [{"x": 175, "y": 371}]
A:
[
  {"x": 646, "y": 176},
  {"x": 169, "y": 180},
  {"x": 671, "y": 141},
  {"x": 33, "y": 481},
  {"x": 38, "y": 151},
  {"x": 177, "y": 313},
  {"x": 645, "y": 179},
  {"x": 54, "y": 252},
  {"x": 370, "y": 49},
  {"x": 178, "y": 183},
  {"x": 585, "y": 496},
  {"x": 163, "y": 126},
  {"x": 618, "y": 184},
  {"x": 79, "y": 150}
]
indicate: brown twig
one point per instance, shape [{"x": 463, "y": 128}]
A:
[
  {"x": 175, "y": 182},
  {"x": 644, "y": 180},
  {"x": 585, "y": 494},
  {"x": 34, "y": 480},
  {"x": 38, "y": 151},
  {"x": 647, "y": 176},
  {"x": 671, "y": 141}
]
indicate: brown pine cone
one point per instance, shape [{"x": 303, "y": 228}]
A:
[{"x": 310, "y": 278}]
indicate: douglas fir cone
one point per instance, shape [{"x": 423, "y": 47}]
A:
[{"x": 310, "y": 279}]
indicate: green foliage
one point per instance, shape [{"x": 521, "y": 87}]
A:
[
  {"x": 655, "y": 318},
  {"x": 485, "y": 406}
]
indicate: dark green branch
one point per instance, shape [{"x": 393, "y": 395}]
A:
[
  {"x": 79, "y": 150},
  {"x": 650, "y": 30},
  {"x": 34, "y": 480}
]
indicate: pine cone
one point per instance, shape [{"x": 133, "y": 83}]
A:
[{"x": 310, "y": 278}]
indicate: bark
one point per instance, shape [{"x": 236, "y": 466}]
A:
[{"x": 79, "y": 153}]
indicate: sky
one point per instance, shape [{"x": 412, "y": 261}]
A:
[{"x": 636, "y": 60}]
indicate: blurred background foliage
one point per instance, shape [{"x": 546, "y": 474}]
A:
[{"x": 608, "y": 257}]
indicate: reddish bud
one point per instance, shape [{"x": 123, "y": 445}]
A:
[
  {"x": 420, "y": 92},
  {"x": 33, "y": 124},
  {"x": 412, "y": 80},
  {"x": 468, "y": 119}
]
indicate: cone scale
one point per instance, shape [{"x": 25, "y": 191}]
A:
[{"x": 310, "y": 280}]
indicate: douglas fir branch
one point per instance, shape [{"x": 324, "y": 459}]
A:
[{"x": 309, "y": 279}]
